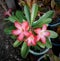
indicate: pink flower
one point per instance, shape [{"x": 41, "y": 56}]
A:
[
  {"x": 42, "y": 33},
  {"x": 7, "y": 13},
  {"x": 22, "y": 30},
  {"x": 31, "y": 40}
]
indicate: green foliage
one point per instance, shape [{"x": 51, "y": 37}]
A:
[
  {"x": 37, "y": 47},
  {"x": 44, "y": 21},
  {"x": 27, "y": 13},
  {"x": 53, "y": 34},
  {"x": 16, "y": 43},
  {"x": 34, "y": 12},
  {"x": 41, "y": 44},
  {"x": 24, "y": 50},
  {"x": 48, "y": 43},
  {"x": 20, "y": 16},
  {"x": 30, "y": 17},
  {"x": 13, "y": 18},
  {"x": 48, "y": 14},
  {"x": 8, "y": 30},
  {"x": 13, "y": 37}
]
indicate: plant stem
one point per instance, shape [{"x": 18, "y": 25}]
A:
[{"x": 3, "y": 5}]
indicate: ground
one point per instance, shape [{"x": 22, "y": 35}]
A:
[{"x": 7, "y": 51}]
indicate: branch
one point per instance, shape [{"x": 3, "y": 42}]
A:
[{"x": 3, "y": 5}]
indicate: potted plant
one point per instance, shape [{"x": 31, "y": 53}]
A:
[{"x": 30, "y": 33}]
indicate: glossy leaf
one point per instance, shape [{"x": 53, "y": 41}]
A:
[
  {"x": 16, "y": 43},
  {"x": 13, "y": 18},
  {"x": 48, "y": 43},
  {"x": 53, "y": 34},
  {"x": 41, "y": 44},
  {"x": 27, "y": 13},
  {"x": 48, "y": 14},
  {"x": 24, "y": 50},
  {"x": 36, "y": 47},
  {"x": 34, "y": 12},
  {"x": 8, "y": 30},
  {"x": 13, "y": 37},
  {"x": 45, "y": 21},
  {"x": 20, "y": 16}
]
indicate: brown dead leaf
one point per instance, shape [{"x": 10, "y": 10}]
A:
[
  {"x": 58, "y": 30},
  {"x": 52, "y": 3},
  {"x": 46, "y": 1}
]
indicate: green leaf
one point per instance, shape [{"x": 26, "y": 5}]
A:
[
  {"x": 24, "y": 50},
  {"x": 8, "y": 30},
  {"x": 20, "y": 16},
  {"x": 16, "y": 43},
  {"x": 12, "y": 13},
  {"x": 13, "y": 37},
  {"x": 45, "y": 21},
  {"x": 13, "y": 18},
  {"x": 34, "y": 12},
  {"x": 27, "y": 13},
  {"x": 36, "y": 47},
  {"x": 48, "y": 14},
  {"x": 6, "y": 19},
  {"x": 41, "y": 44},
  {"x": 48, "y": 43},
  {"x": 53, "y": 34}
]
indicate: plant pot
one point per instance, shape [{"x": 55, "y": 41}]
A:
[
  {"x": 57, "y": 2},
  {"x": 55, "y": 42},
  {"x": 41, "y": 53},
  {"x": 44, "y": 58},
  {"x": 56, "y": 46}
]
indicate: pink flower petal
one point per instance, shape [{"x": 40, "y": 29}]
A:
[
  {"x": 28, "y": 42},
  {"x": 47, "y": 34},
  {"x": 37, "y": 38},
  {"x": 33, "y": 42},
  {"x": 17, "y": 25},
  {"x": 37, "y": 30},
  {"x": 20, "y": 37},
  {"x": 25, "y": 25},
  {"x": 44, "y": 27},
  {"x": 26, "y": 34},
  {"x": 16, "y": 32},
  {"x": 43, "y": 39}
]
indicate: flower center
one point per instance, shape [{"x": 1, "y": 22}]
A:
[
  {"x": 31, "y": 38},
  {"x": 42, "y": 32}
]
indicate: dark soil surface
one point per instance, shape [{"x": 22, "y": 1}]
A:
[{"x": 7, "y": 52}]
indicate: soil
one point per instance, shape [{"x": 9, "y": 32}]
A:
[{"x": 7, "y": 52}]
